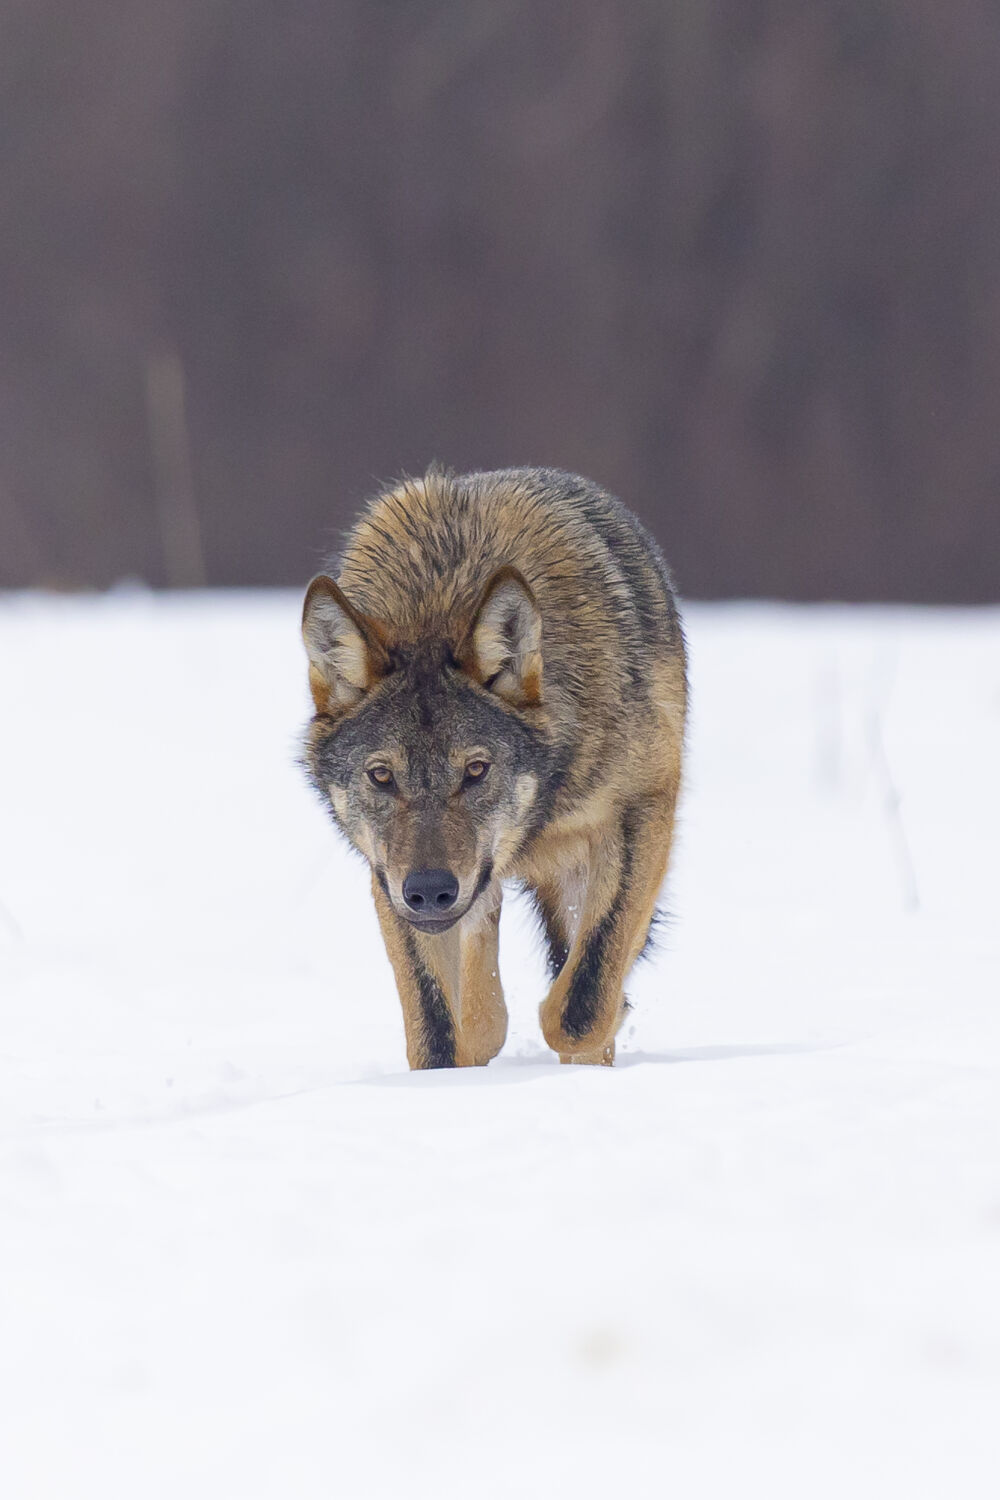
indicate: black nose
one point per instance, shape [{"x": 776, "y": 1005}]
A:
[{"x": 430, "y": 891}]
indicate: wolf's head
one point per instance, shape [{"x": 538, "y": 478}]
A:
[{"x": 431, "y": 756}]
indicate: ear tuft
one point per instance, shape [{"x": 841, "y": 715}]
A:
[
  {"x": 503, "y": 648},
  {"x": 346, "y": 648}
]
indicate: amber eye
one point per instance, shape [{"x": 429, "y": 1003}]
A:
[
  {"x": 476, "y": 770},
  {"x": 381, "y": 776}
]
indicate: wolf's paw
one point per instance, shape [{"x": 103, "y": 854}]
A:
[
  {"x": 603, "y": 1057},
  {"x": 589, "y": 1048}
]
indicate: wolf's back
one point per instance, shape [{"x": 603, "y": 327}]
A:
[{"x": 421, "y": 554}]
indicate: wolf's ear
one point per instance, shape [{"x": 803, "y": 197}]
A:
[
  {"x": 503, "y": 647},
  {"x": 347, "y": 649}
]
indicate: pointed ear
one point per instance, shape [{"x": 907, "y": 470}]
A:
[
  {"x": 503, "y": 647},
  {"x": 347, "y": 649}
]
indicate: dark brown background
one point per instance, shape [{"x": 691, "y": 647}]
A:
[{"x": 737, "y": 259}]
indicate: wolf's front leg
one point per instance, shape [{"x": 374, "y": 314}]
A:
[
  {"x": 586, "y": 1004},
  {"x": 483, "y": 1012},
  {"x": 449, "y": 986}
]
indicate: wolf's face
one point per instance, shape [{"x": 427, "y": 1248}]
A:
[{"x": 427, "y": 754}]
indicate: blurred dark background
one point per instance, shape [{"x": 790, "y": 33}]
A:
[{"x": 736, "y": 259}]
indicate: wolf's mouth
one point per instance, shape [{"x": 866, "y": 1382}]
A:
[{"x": 434, "y": 924}]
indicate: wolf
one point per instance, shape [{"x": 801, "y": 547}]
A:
[{"x": 500, "y": 687}]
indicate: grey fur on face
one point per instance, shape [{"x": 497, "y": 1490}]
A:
[{"x": 425, "y": 722}]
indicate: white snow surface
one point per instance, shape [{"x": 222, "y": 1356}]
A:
[{"x": 244, "y": 1253}]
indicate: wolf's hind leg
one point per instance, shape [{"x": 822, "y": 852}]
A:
[
  {"x": 557, "y": 903},
  {"x": 557, "y": 914},
  {"x": 586, "y": 1004}
]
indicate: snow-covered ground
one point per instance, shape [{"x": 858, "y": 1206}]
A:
[{"x": 243, "y": 1253}]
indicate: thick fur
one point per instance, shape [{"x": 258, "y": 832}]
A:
[{"x": 523, "y": 621}]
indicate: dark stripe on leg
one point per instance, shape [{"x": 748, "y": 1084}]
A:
[
  {"x": 584, "y": 994},
  {"x": 437, "y": 1027}
]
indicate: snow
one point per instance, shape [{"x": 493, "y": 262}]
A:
[{"x": 244, "y": 1253}]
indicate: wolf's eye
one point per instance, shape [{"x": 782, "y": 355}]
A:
[
  {"x": 476, "y": 770},
  {"x": 381, "y": 776}
]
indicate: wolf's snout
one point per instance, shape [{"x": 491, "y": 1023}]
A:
[{"x": 430, "y": 891}]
